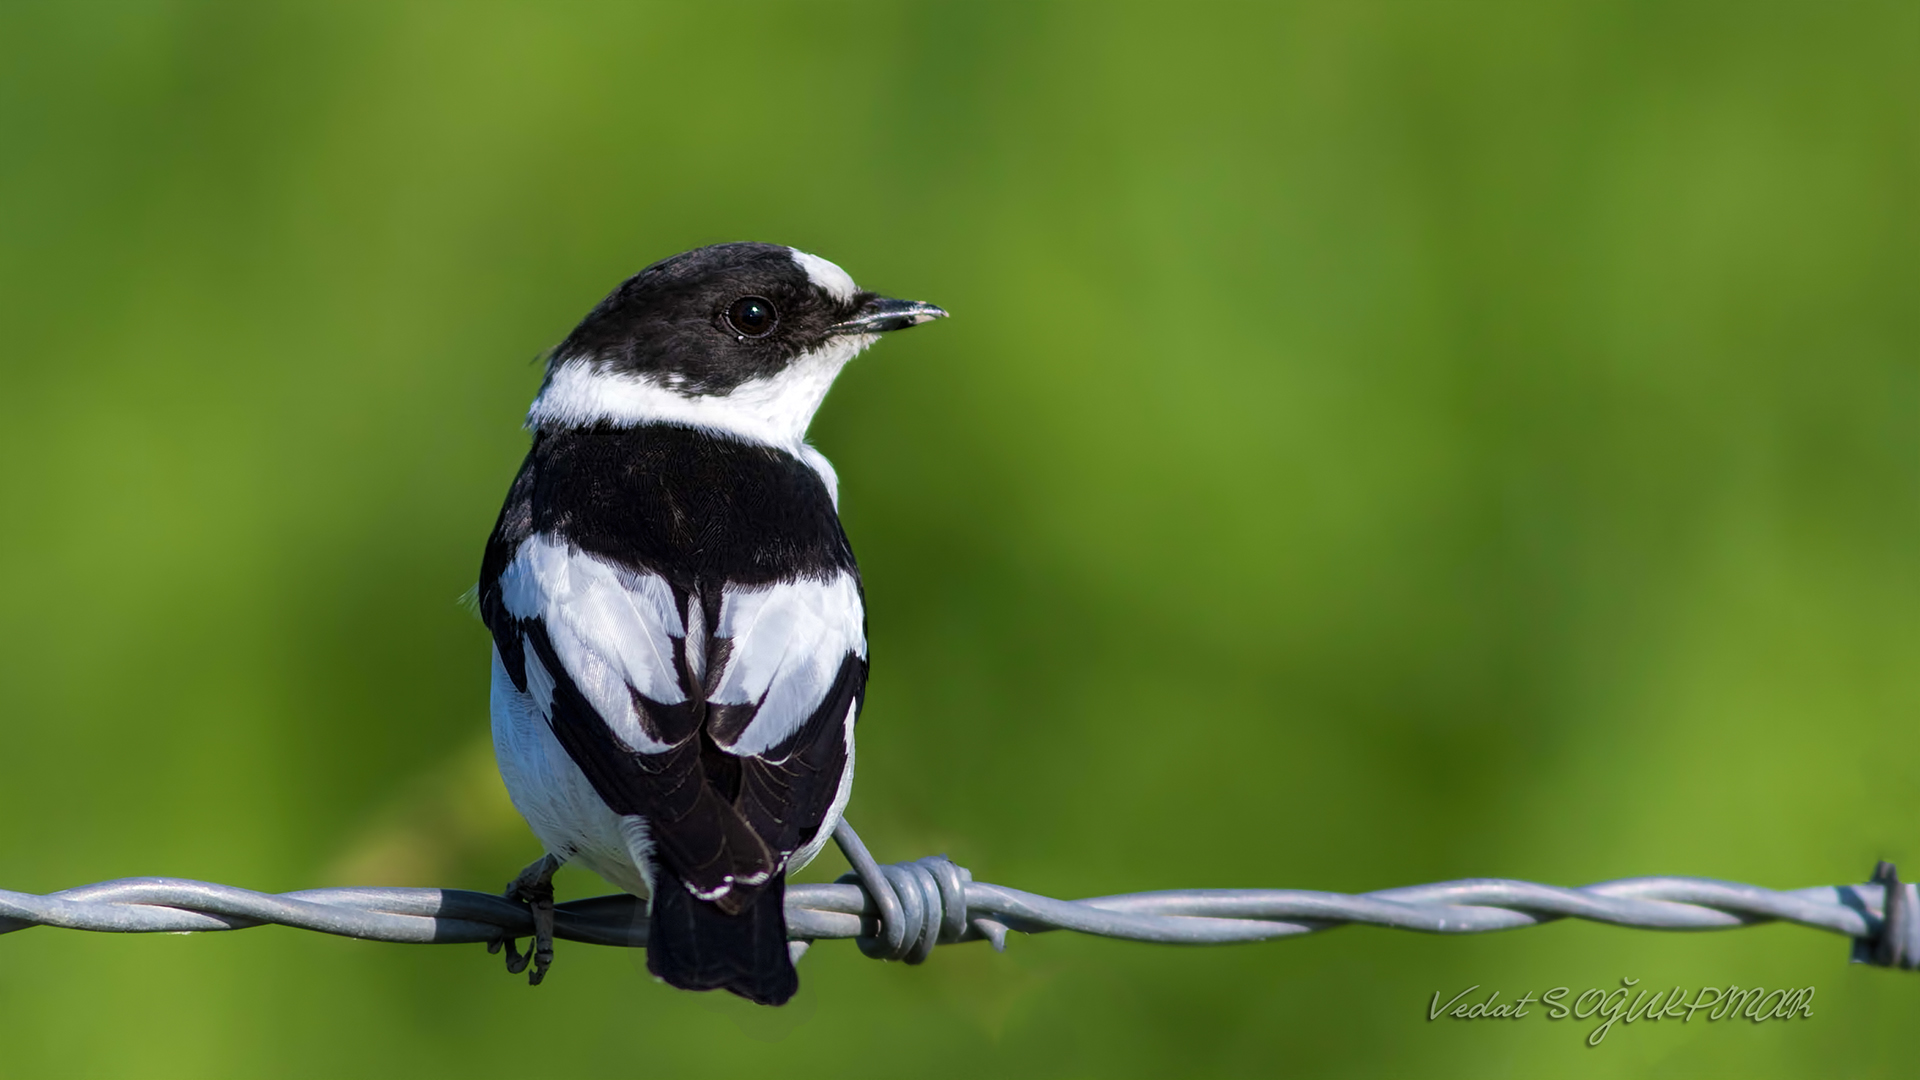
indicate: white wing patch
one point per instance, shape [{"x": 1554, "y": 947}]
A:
[
  {"x": 788, "y": 642},
  {"x": 611, "y": 629}
]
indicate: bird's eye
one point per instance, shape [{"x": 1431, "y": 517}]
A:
[{"x": 751, "y": 316}]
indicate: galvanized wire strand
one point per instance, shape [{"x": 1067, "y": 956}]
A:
[{"x": 902, "y": 911}]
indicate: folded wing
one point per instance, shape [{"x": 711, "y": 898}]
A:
[{"x": 736, "y": 754}]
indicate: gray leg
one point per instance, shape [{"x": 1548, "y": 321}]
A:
[{"x": 534, "y": 888}]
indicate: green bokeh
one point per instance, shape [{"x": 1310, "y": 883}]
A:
[{"x": 1374, "y": 444}]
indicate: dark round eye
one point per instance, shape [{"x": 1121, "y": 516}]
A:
[{"x": 751, "y": 316}]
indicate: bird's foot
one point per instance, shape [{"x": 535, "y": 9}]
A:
[{"x": 534, "y": 888}]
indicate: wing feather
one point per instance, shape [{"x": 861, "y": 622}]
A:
[
  {"x": 613, "y": 631},
  {"x": 788, "y": 643},
  {"x": 732, "y": 781}
]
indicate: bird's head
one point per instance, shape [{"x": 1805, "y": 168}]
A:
[{"x": 743, "y": 339}]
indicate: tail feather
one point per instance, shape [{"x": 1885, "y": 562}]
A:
[{"x": 694, "y": 945}]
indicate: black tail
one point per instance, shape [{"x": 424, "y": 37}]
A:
[{"x": 694, "y": 945}]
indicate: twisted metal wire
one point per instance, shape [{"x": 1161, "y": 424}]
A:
[{"x": 903, "y": 911}]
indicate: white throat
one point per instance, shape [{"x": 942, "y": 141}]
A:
[{"x": 774, "y": 410}]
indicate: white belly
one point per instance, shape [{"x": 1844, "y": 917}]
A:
[{"x": 554, "y": 796}]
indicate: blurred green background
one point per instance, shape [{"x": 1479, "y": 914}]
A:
[{"x": 1374, "y": 444}]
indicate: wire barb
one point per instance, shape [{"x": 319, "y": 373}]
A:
[
  {"x": 918, "y": 905},
  {"x": 1896, "y": 942},
  {"x": 902, "y": 911}
]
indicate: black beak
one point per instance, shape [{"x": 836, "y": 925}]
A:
[{"x": 881, "y": 314}]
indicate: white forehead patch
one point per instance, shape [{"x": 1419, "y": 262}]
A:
[{"x": 828, "y": 277}]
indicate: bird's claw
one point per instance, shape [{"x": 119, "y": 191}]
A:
[
  {"x": 534, "y": 888},
  {"x": 516, "y": 960}
]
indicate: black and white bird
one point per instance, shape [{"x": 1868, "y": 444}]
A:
[{"x": 679, "y": 630}]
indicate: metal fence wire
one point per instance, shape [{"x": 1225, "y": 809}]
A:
[{"x": 901, "y": 911}]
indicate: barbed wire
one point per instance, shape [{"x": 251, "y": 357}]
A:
[{"x": 902, "y": 911}]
